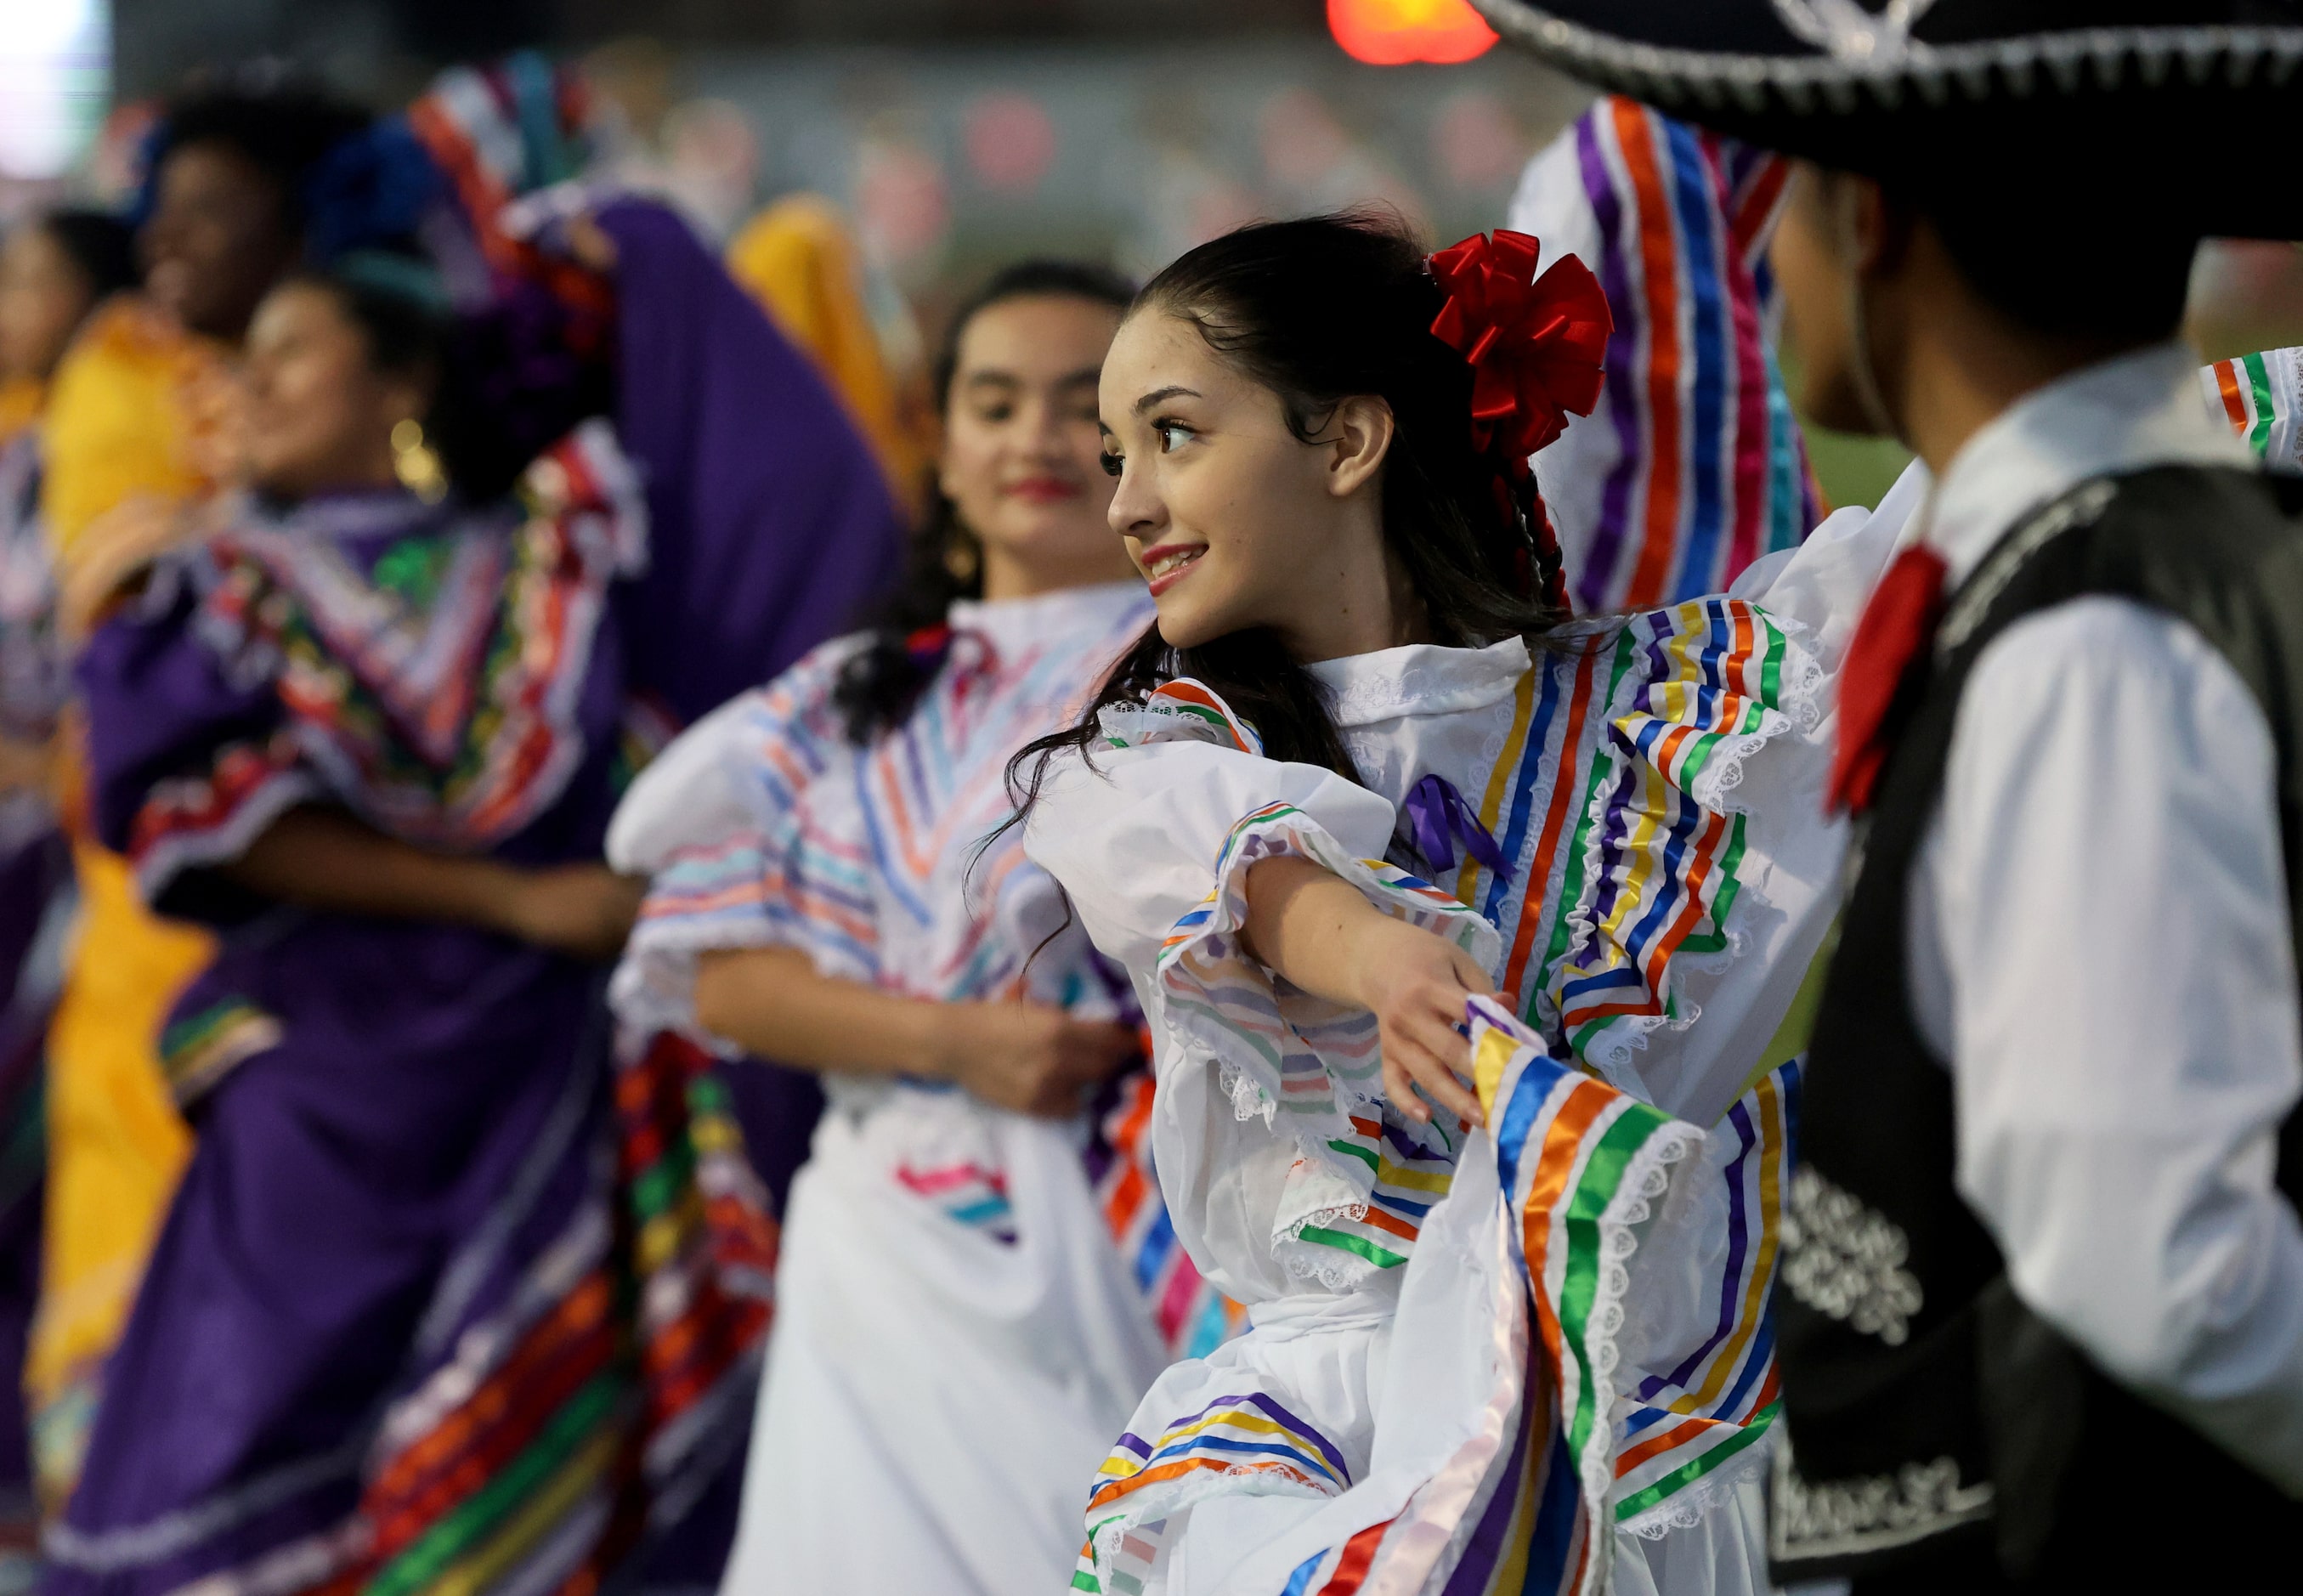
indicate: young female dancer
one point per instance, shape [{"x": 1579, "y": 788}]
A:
[
  {"x": 977, "y": 1282},
  {"x": 1361, "y": 774}
]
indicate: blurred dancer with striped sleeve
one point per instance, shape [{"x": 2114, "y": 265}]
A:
[{"x": 979, "y": 1277}]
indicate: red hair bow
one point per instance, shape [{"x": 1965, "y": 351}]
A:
[{"x": 1535, "y": 343}]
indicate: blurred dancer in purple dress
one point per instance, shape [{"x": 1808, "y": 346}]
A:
[{"x": 448, "y": 1294}]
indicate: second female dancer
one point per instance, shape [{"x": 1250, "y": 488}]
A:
[
  {"x": 1363, "y": 777},
  {"x": 977, "y": 1282}
]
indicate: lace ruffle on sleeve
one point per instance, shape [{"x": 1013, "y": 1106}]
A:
[
  {"x": 738, "y": 827},
  {"x": 1672, "y": 860},
  {"x": 1158, "y": 870},
  {"x": 1618, "y": 1207}
]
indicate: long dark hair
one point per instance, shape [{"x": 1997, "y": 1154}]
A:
[
  {"x": 1318, "y": 311},
  {"x": 878, "y": 687}
]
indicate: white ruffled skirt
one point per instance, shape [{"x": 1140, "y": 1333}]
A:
[{"x": 934, "y": 1394}]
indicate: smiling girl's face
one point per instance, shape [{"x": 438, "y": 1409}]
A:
[
  {"x": 1020, "y": 445},
  {"x": 1234, "y": 520}
]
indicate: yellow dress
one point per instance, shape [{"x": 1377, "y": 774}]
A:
[
  {"x": 116, "y": 425},
  {"x": 795, "y": 258}
]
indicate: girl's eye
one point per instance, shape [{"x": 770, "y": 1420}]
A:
[
  {"x": 994, "y": 413},
  {"x": 1110, "y": 463},
  {"x": 1172, "y": 435}
]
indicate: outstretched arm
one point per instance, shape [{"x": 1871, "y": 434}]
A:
[
  {"x": 324, "y": 859},
  {"x": 1322, "y": 933},
  {"x": 1026, "y": 1057}
]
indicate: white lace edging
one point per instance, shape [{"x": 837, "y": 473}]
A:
[
  {"x": 1647, "y": 1178},
  {"x": 1686, "y": 1508},
  {"x": 1310, "y": 1261},
  {"x": 1209, "y": 1036},
  {"x": 1805, "y": 677}
]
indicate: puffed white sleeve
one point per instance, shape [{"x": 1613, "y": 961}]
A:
[
  {"x": 736, "y": 853},
  {"x": 1153, "y": 833}
]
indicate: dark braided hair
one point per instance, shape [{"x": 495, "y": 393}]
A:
[
  {"x": 1318, "y": 311},
  {"x": 878, "y": 687}
]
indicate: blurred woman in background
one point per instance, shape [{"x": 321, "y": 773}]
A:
[
  {"x": 368, "y": 726},
  {"x": 56, "y": 268},
  {"x": 978, "y": 1279}
]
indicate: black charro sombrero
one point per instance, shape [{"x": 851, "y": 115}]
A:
[{"x": 2177, "y": 107}]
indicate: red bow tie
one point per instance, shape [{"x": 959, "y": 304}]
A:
[{"x": 1897, "y": 626}]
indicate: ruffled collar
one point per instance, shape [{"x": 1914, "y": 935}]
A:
[
  {"x": 1420, "y": 679},
  {"x": 1014, "y": 625}
]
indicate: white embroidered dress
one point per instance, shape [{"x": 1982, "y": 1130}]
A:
[
  {"x": 969, "y": 1301},
  {"x": 1654, "y": 785}
]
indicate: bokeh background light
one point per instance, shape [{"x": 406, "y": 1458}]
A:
[
  {"x": 1398, "y": 32},
  {"x": 55, "y": 60}
]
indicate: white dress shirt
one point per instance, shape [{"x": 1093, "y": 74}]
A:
[{"x": 2100, "y": 946}]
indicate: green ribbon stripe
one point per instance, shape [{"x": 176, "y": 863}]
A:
[
  {"x": 1679, "y": 1478},
  {"x": 439, "y": 1547},
  {"x": 2259, "y": 376},
  {"x": 1579, "y": 1289},
  {"x": 1382, "y": 1258}
]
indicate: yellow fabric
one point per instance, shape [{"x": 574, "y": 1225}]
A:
[
  {"x": 19, "y": 405},
  {"x": 116, "y": 426},
  {"x": 116, "y": 422},
  {"x": 796, "y": 259}
]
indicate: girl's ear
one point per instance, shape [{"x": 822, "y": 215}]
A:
[{"x": 1360, "y": 437}]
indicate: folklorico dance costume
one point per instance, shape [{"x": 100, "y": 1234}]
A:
[
  {"x": 449, "y": 1297},
  {"x": 2043, "y": 1307},
  {"x": 1618, "y": 824},
  {"x": 970, "y": 1301}
]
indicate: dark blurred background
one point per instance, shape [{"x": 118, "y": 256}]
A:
[
  {"x": 952, "y": 134},
  {"x": 953, "y": 131}
]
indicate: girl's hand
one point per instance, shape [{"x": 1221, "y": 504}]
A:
[
  {"x": 1322, "y": 933},
  {"x": 1414, "y": 981},
  {"x": 1027, "y": 1057},
  {"x": 585, "y": 911}
]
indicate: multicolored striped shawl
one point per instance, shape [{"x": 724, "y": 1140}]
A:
[{"x": 1692, "y": 466}]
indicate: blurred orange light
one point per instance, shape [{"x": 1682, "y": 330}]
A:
[{"x": 1394, "y": 33}]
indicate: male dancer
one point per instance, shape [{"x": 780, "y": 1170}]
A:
[{"x": 2043, "y": 1309}]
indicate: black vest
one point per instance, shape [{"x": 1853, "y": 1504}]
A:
[{"x": 1934, "y": 1423}]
